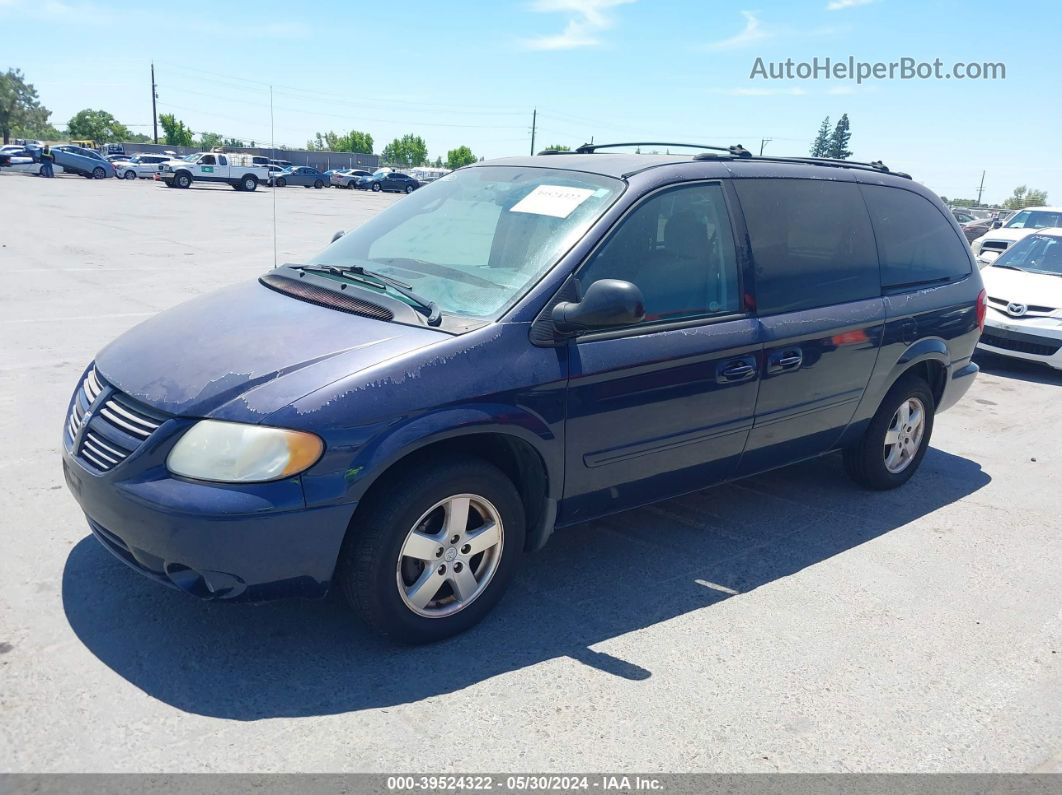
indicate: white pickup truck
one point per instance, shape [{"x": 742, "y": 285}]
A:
[{"x": 233, "y": 169}]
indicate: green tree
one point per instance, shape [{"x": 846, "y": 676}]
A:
[
  {"x": 821, "y": 145},
  {"x": 409, "y": 150},
  {"x": 558, "y": 148},
  {"x": 176, "y": 134},
  {"x": 1023, "y": 197},
  {"x": 21, "y": 113},
  {"x": 353, "y": 141},
  {"x": 209, "y": 140},
  {"x": 839, "y": 139},
  {"x": 438, "y": 162},
  {"x": 234, "y": 142},
  {"x": 461, "y": 156},
  {"x": 97, "y": 125}
]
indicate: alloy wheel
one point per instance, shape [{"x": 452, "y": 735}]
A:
[
  {"x": 904, "y": 435},
  {"x": 450, "y": 555}
]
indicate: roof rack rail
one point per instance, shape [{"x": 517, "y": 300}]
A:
[
  {"x": 877, "y": 165},
  {"x": 737, "y": 152},
  {"x": 587, "y": 149}
]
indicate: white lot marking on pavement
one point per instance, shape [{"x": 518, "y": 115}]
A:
[{"x": 717, "y": 587}]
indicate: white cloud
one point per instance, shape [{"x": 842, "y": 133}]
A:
[
  {"x": 840, "y": 5},
  {"x": 753, "y": 32},
  {"x": 587, "y": 19}
]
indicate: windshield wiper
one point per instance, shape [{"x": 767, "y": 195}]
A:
[
  {"x": 381, "y": 281},
  {"x": 1008, "y": 267}
]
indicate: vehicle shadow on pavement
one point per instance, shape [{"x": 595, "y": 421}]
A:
[
  {"x": 1018, "y": 369},
  {"x": 591, "y": 583}
]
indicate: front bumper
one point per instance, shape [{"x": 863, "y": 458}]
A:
[
  {"x": 214, "y": 541},
  {"x": 1034, "y": 340}
]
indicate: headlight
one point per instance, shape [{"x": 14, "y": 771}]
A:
[{"x": 232, "y": 452}]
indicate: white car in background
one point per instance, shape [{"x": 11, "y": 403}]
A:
[
  {"x": 1024, "y": 222},
  {"x": 139, "y": 166},
  {"x": 1024, "y": 287}
]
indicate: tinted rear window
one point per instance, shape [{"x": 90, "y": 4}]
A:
[
  {"x": 916, "y": 242},
  {"x": 812, "y": 243}
]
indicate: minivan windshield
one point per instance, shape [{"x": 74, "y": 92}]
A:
[{"x": 475, "y": 240}]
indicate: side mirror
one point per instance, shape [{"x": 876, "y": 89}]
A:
[
  {"x": 337, "y": 235},
  {"x": 996, "y": 224},
  {"x": 608, "y": 303}
]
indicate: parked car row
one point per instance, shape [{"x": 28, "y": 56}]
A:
[{"x": 1025, "y": 222}]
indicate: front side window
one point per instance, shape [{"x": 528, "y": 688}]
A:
[
  {"x": 812, "y": 243},
  {"x": 476, "y": 240},
  {"x": 916, "y": 243},
  {"x": 678, "y": 248},
  {"x": 1035, "y": 219},
  {"x": 206, "y": 160}
]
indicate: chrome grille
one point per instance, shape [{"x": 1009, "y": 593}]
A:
[
  {"x": 111, "y": 425},
  {"x": 128, "y": 419}
]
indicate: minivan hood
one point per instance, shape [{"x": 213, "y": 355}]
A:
[{"x": 245, "y": 351}]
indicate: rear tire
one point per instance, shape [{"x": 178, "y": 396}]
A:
[
  {"x": 376, "y": 187},
  {"x": 250, "y": 183},
  {"x": 380, "y": 579},
  {"x": 280, "y": 182},
  {"x": 905, "y": 417}
]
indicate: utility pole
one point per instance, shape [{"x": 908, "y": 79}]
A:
[
  {"x": 154, "y": 96},
  {"x": 981, "y": 189},
  {"x": 534, "y": 119},
  {"x": 763, "y": 143}
]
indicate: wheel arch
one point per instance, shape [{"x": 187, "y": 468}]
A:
[
  {"x": 928, "y": 358},
  {"x": 516, "y": 452}
]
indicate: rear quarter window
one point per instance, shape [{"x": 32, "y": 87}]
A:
[
  {"x": 916, "y": 242},
  {"x": 811, "y": 241}
]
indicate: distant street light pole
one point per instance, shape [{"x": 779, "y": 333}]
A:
[
  {"x": 534, "y": 119},
  {"x": 981, "y": 189},
  {"x": 763, "y": 143},
  {"x": 154, "y": 113}
]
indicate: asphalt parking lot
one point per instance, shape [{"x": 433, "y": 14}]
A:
[{"x": 790, "y": 622}]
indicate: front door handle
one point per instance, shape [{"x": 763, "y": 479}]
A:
[
  {"x": 735, "y": 370},
  {"x": 785, "y": 360}
]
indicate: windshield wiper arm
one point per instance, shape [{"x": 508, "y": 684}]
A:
[{"x": 428, "y": 308}]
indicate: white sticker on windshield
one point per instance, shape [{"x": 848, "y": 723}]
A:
[{"x": 556, "y": 200}]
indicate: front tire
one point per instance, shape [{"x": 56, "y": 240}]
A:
[
  {"x": 318, "y": 185},
  {"x": 182, "y": 181},
  {"x": 409, "y": 188},
  {"x": 280, "y": 182},
  {"x": 99, "y": 173},
  {"x": 129, "y": 175},
  {"x": 895, "y": 442},
  {"x": 433, "y": 552}
]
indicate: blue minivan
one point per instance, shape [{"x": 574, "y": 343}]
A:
[{"x": 522, "y": 345}]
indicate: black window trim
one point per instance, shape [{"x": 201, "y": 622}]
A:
[{"x": 641, "y": 329}]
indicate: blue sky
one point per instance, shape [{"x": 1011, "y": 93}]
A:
[{"x": 471, "y": 72}]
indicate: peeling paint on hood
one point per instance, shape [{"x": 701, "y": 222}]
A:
[{"x": 248, "y": 346}]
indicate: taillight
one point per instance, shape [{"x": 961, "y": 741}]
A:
[{"x": 982, "y": 308}]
